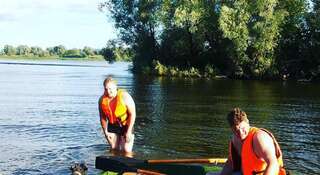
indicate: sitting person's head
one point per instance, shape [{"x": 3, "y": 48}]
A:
[{"x": 239, "y": 123}]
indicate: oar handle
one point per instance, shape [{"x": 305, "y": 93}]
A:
[
  {"x": 213, "y": 160},
  {"x": 147, "y": 172}
]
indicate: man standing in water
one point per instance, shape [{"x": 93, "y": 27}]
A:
[
  {"x": 251, "y": 150},
  {"x": 117, "y": 116}
]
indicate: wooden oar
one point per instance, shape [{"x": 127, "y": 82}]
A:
[
  {"x": 132, "y": 161},
  {"x": 211, "y": 160},
  {"x": 141, "y": 171}
]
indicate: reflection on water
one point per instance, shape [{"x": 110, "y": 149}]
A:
[{"x": 49, "y": 116}]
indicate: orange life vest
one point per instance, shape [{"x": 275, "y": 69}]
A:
[
  {"x": 118, "y": 113},
  {"x": 250, "y": 163}
]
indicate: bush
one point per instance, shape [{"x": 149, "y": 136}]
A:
[
  {"x": 210, "y": 71},
  {"x": 159, "y": 68}
]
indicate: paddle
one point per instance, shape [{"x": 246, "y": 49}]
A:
[
  {"x": 132, "y": 161},
  {"x": 212, "y": 160},
  {"x": 147, "y": 172}
]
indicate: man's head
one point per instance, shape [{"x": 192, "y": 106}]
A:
[
  {"x": 110, "y": 87},
  {"x": 239, "y": 123}
]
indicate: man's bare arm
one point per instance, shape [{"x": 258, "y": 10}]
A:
[
  {"x": 264, "y": 148},
  {"x": 131, "y": 107}
]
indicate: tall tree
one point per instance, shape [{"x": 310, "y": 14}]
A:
[
  {"x": 312, "y": 65},
  {"x": 293, "y": 41},
  {"x": 88, "y": 51},
  {"x": 9, "y": 50},
  {"x": 37, "y": 51},
  {"x": 136, "y": 22},
  {"x": 59, "y": 50},
  {"x": 23, "y": 50},
  {"x": 254, "y": 27}
]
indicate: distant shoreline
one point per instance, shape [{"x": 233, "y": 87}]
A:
[{"x": 35, "y": 58}]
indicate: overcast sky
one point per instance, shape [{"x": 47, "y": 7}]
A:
[{"x": 47, "y": 23}]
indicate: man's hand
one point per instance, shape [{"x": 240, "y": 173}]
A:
[{"x": 108, "y": 135}]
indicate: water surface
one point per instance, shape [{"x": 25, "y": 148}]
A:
[{"x": 49, "y": 117}]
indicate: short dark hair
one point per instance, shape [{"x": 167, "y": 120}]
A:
[{"x": 236, "y": 116}]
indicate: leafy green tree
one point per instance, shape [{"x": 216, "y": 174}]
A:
[
  {"x": 88, "y": 51},
  {"x": 50, "y": 51},
  {"x": 59, "y": 50},
  {"x": 191, "y": 36},
  {"x": 108, "y": 54},
  {"x": 254, "y": 28},
  {"x": 293, "y": 41},
  {"x": 137, "y": 23},
  {"x": 187, "y": 19},
  {"x": 23, "y": 50},
  {"x": 9, "y": 50},
  {"x": 37, "y": 51},
  {"x": 123, "y": 54},
  {"x": 247, "y": 39},
  {"x": 312, "y": 55}
]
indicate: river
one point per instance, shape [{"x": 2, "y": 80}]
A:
[{"x": 49, "y": 116}]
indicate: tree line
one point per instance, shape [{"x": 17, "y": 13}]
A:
[
  {"x": 239, "y": 38},
  {"x": 111, "y": 52},
  {"x": 60, "y": 50}
]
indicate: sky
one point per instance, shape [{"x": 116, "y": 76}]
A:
[{"x": 48, "y": 23}]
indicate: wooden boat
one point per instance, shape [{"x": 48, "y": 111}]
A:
[{"x": 122, "y": 165}]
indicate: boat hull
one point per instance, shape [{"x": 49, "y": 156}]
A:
[{"x": 116, "y": 165}]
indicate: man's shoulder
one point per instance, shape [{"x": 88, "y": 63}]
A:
[
  {"x": 263, "y": 139},
  {"x": 262, "y": 134},
  {"x": 125, "y": 95}
]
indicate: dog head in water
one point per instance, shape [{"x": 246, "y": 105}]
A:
[{"x": 79, "y": 169}]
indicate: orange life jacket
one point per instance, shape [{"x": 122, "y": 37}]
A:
[
  {"x": 250, "y": 163},
  {"x": 117, "y": 114}
]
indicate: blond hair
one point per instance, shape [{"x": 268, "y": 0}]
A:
[{"x": 108, "y": 80}]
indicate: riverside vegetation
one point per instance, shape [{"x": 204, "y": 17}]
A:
[
  {"x": 110, "y": 53},
  {"x": 241, "y": 39}
]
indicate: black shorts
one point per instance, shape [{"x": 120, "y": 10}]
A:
[{"x": 115, "y": 128}]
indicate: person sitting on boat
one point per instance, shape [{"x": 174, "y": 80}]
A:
[
  {"x": 251, "y": 150},
  {"x": 117, "y": 116}
]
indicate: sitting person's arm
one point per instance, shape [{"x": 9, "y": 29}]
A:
[{"x": 264, "y": 148}]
